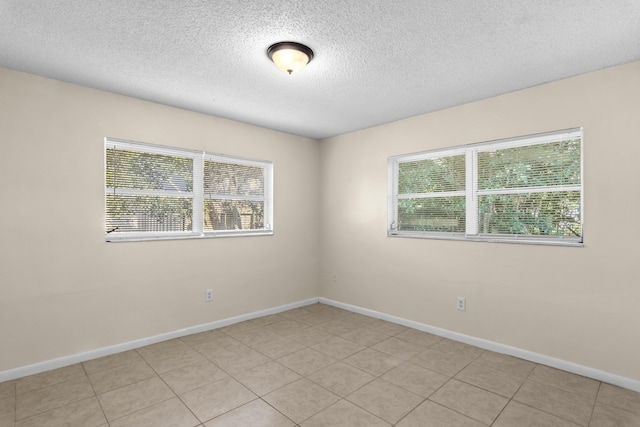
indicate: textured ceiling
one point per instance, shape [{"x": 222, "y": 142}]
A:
[{"x": 376, "y": 61}]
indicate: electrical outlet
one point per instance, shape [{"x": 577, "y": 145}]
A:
[
  {"x": 334, "y": 277},
  {"x": 461, "y": 303},
  {"x": 208, "y": 295}
]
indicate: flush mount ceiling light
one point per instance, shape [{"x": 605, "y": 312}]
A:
[{"x": 290, "y": 56}]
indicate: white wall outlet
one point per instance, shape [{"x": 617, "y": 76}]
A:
[
  {"x": 334, "y": 277},
  {"x": 208, "y": 295},
  {"x": 461, "y": 303}
]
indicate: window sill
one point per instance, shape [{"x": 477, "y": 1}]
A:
[
  {"x": 489, "y": 239},
  {"x": 208, "y": 235}
]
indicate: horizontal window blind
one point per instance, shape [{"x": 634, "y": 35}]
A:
[
  {"x": 234, "y": 195},
  {"x": 431, "y": 194},
  {"x": 530, "y": 190},
  {"x": 522, "y": 189},
  {"x": 154, "y": 192}
]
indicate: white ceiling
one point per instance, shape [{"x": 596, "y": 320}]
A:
[{"x": 376, "y": 61}]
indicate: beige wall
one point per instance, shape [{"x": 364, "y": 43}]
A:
[
  {"x": 575, "y": 304},
  {"x": 64, "y": 291}
]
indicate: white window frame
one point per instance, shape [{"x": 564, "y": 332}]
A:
[
  {"x": 197, "y": 195},
  {"x": 472, "y": 192}
]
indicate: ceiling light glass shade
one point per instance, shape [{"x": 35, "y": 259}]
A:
[{"x": 290, "y": 56}]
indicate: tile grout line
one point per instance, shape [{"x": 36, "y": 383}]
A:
[
  {"x": 95, "y": 395},
  {"x": 595, "y": 403}
]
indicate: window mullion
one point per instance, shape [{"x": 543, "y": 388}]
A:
[
  {"x": 198, "y": 194},
  {"x": 471, "y": 188},
  {"x": 392, "y": 208},
  {"x": 268, "y": 197}
]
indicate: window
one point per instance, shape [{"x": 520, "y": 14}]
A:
[
  {"x": 525, "y": 189},
  {"x": 154, "y": 192}
]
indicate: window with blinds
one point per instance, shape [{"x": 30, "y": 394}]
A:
[
  {"x": 154, "y": 192},
  {"x": 526, "y": 189},
  {"x": 431, "y": 194},
  {"x": 234, "y": 195}
]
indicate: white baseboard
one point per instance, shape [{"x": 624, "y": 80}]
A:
[
  {"x": 48, "y": 365},
  {"x": 585, "y": 371}
]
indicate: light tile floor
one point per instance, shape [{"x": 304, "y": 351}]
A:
[{"x": 309, "y": 367}]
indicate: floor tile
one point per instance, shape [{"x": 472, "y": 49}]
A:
[
  {"x": 582, "y": 386},
  {"x": 193, "y": 376},
  {"x": 337, "y": 347},
  {"x": 430, "y": 414},
  {"x": 336, "y": 312},
  {"x": 165, "y": 359},
  {"x": 415, "y": 379},
  {"x": 509, "y": 364},
  {"x": 620, "y": 398},
  {"x": 220, "y": 348},
  {"x": 253, "y": 414},
  {"x": 336, "y": 327},
  {"x": 241, "y": 361},
  {"x": 7, "y": 390},
  {"x": 265, "y": 378},
  {"x": 231, "y": 355},
  {"x": 120, "y": 376},
  {"x": 111, "y": 361},
  {"x": 238, "y": 327},
  {"x": 444, "y": 363},
  {"x": 286, "y": 327},
  {"x": 306, "y": 361},
  {"x": 309, "y": 336},
  {"x": 277, "y": 347},
  {"x": 418, "y": 337},
  {"x": 315, "y": 307},
  {"x": 344, "y": 414},
  {"x": 201, "y": 337},
  {"x": 296, "y": 312},
  {"x": 400, "y": 349},
  {"x": 517, "y": 414},
  {"x": 54, "y": 396},
  {"x": 161, "y": 347},
  {"x": 341, "y": 379},
  {"x": 385, "y": 327},
  {"x": 372, "y": 361},
  {"x": 126, "y": 400},
  {"x": 609, "y": 416},
  {"x": 385, "y": 400},
  {"x": 83, "y": 413},
  {"x": 56, "y": 376},
  {"x": 7, "y": 411},
  {"x": 555, "y": 401},
  {"x": 459, "y": 349},
  {"x": 301, "y": 400},
  {"x": 316, "y": 318},
  {"x": 170, "y": 413},
  {"x": 255, "y": 336},
  {"x": 365, "y": 336},
  {"x": 469, "y": 400},
  {"x": 215, "y": 399},
  {"x": 490, "y": 379},
  {"x": 272, "y": 318},
  {"x": 357, "y": 319}
]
